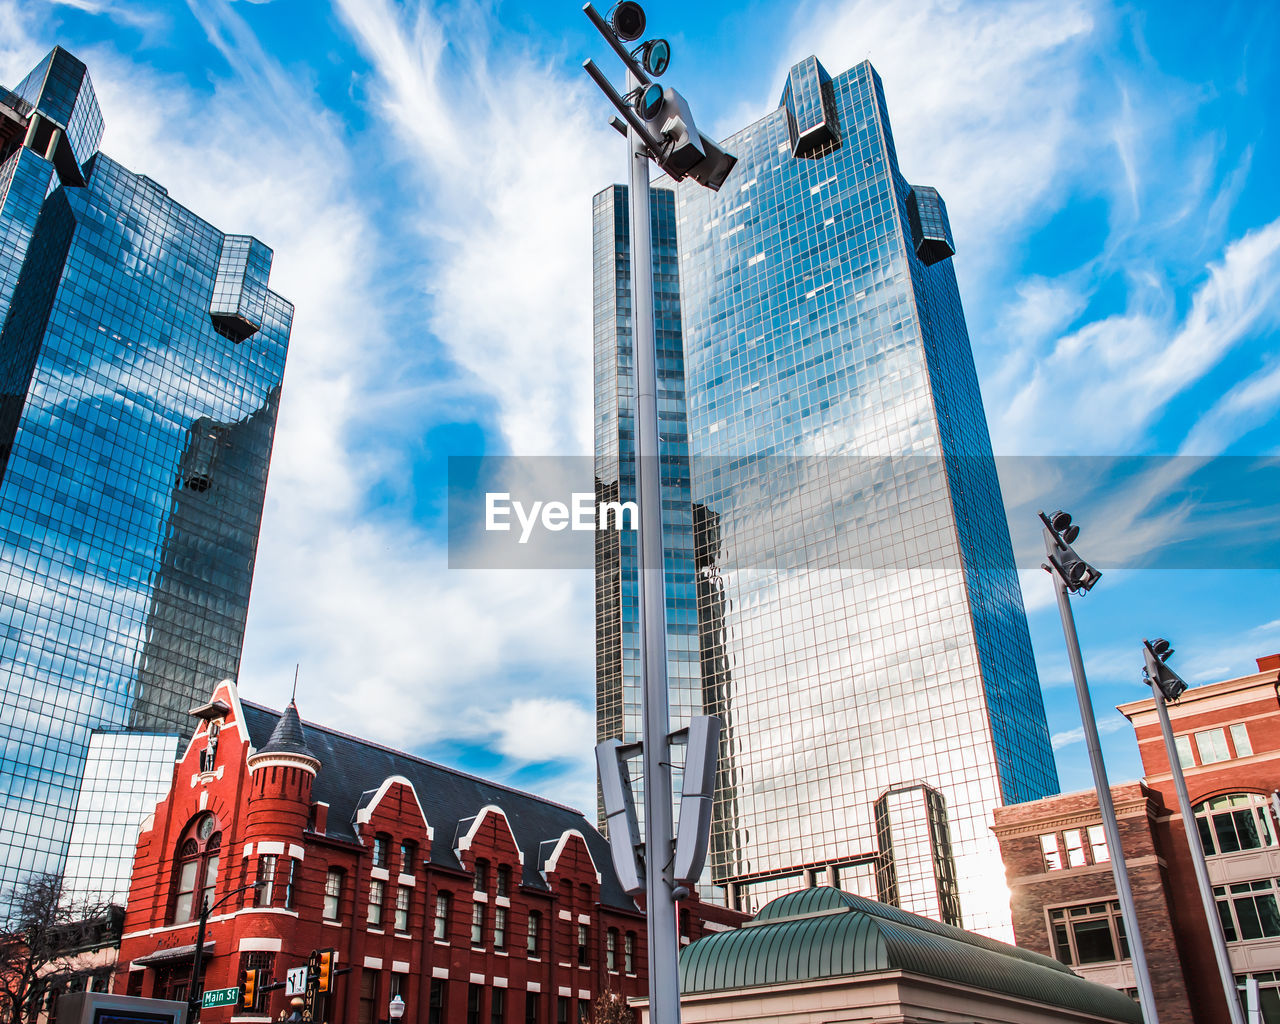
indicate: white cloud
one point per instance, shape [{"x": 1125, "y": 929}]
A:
[
  {"x": 1103, "y": 385},
  {"x": 1070, "y": 737},
  {"x": 983, "y": 100},
  {"x": 507, "y": 180},
  {"x": 392, "y": 645},
  {"x": 537, "y": 729}
]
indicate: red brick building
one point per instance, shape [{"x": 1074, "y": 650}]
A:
[
  {"x": 473, "y": 902},
  {"x": 1058, "y": 868}
]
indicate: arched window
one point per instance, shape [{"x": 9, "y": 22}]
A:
[
  {"x": 1234, "y": 822},
  {"x": 482, "y": 876},
  {"x": 196, "y": 868},
  {"x": 504, "y": 881}
]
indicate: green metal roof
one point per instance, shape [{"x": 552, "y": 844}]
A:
[{"x": 825, "y": 933}]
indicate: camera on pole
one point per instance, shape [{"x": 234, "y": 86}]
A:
[
  {"x": 1157, "y": 673},
  {"x": 1060, "y": 533}
]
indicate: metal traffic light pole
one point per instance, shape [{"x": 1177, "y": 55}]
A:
[
  {"x": 1156, "y": 672},
  {"x": 659, "y": 827},
  {"x": 659, "y": 127},
  {"x": 1064, "y": 565}
]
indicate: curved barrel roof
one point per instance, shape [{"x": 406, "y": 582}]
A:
[{"x": 826, "y": 933}]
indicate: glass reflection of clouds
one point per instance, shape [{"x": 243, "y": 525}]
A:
[
  {"x": 137, "y": 341},
  {"x": 860, "y": 625}
]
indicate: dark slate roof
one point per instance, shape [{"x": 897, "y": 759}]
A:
[
  {"x": 287, "y": 737},
  {"x": 826, "y": 933},
  {"x": 352, "y": 770}
]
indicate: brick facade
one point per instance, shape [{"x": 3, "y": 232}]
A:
[
  {"x": 497, "y": 856},
  {"x": 1169, "y": 908}
]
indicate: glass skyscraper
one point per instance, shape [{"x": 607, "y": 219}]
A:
[
  {"x": 859, "y": 620},
  {"x": 141, "y": 359}
]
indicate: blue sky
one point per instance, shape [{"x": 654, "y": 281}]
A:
[{"x": 424, "y": 174}]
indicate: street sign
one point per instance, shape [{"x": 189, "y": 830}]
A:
[
  {"x": 296, "y": 981},
  {"x": 220, "y": 997}
]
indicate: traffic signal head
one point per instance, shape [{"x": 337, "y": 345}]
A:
[
  {"x": 627, "y": 20},
  {"x": 249, "y": 989},
  {"x": 655, "y": 56},
  {"x": 324, "y": 973},
  {"x": 1077, "y": 574},
  {"x": 1157, "y": 673}
]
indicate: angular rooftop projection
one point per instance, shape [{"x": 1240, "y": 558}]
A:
[
  {"x": 56, "y": 111},
  {"x": 812, "y": 121},
  {"x": 240, "y": 289},
  {"x": 930, "y": 226}
]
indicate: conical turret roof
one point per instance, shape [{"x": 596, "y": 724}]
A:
[{"x": 288, "y": 736}]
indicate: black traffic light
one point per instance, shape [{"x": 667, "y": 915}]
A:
[
  {"x": 248, "y": 991},
  {"x": 1157, "y": 673},
  {"x": 1060, "y": 533}
]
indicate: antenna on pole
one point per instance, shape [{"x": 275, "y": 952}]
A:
[{"x": 294, "y": 698}]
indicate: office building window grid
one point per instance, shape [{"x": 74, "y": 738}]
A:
[
  {"x": 809, "y": 326},
  {"x": 125, "y": 488}
]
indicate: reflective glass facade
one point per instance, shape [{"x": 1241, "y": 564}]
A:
[
  {"x": 860, "y": 620},
  {"x": 617, "y": 597},
  {"x": 141, "y": 358},
  {"x": 125, "y": 775}
]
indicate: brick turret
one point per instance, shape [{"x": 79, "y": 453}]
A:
[{"x": 280, "y": 779}]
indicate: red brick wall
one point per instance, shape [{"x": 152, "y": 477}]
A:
[
  {"x": 251, "y": 811},
  {"x": 1033, "y": 888}
]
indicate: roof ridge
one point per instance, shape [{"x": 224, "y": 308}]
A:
[{"x": 416, "y": 757}]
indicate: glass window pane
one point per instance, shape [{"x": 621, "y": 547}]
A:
[
  {"x": 1098, "y": 845},
  {"x": 1212, "y": 745},
  {"x": 1246, "y": 823},
  {"x": 1268, "y": 915},
  {"x": 1206, "y": 836},
  {"x": 1075, "y": 847},
  {"x": 1228, "y": 924},
  {"x": 1240, "y": 738},
  {"x": 1225, "y": 829},
  {"x": 1185, "y": 757},
  {"x": 1049, "y": 848},
  {"x": 1093, "y": 941},
  {"x": 1247, "y": 915}
]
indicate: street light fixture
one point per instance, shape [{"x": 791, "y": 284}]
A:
[
  {"x": 1167, "y": 685},
  {"x": 1073, "y": 574},
  {"x": 659, "y": 126}
]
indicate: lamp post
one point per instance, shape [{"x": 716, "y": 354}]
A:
[
  {"x": 659, "y": 126},
  {"x": 197, "y": 958},
  {"x": 1167, "y": 685},
  {"x": 1073, "y": 574}
]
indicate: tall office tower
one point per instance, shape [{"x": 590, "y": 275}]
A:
[
  {"x": 141, "y": 357},
  {"x": 861, "y": 628}
]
